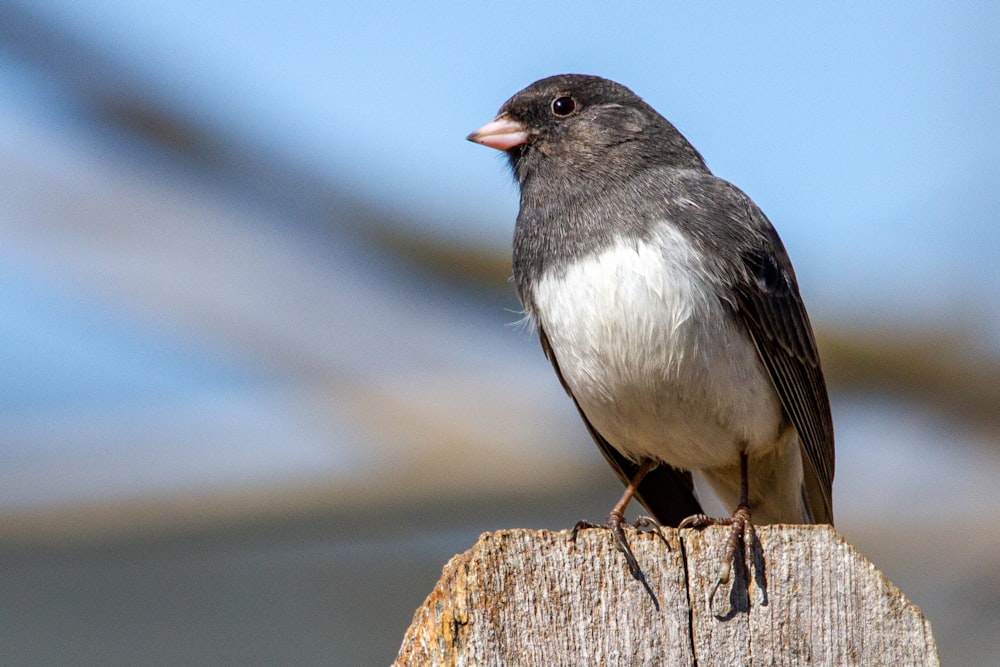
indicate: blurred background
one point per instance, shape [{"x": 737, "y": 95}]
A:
[{"x": 261, "y": 374}]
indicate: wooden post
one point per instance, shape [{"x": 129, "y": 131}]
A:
[{"x": 522, "y": 597}]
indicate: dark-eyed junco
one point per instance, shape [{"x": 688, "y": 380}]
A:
[{"x": 668, "y": 306}]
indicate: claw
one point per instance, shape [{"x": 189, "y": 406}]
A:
[
  {"x": 580, "y": 525},
  {"x": 696, "y": 521},
  {"x": 723, "y": 579},
  {"x": 616, "y": 524},
  {"x": 653, "y": 526}
]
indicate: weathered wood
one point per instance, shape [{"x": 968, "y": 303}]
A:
[{"x": 523, "y": 597}]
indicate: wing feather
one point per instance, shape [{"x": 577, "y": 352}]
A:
[{"x": 773, "y": 312}]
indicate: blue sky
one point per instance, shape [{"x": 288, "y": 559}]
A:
[{"x": 866, "y": 131}]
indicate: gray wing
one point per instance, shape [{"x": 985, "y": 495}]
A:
[
  {"x": 668, "y": 493},
  {"x": 773, "y": 312}
]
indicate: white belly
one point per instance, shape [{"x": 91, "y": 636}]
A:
[{"x": 656, "y": 363}]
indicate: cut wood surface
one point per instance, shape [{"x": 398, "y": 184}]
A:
[{"x": 521, "y": 597}]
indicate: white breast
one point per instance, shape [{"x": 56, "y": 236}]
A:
[{"x": 657, "y": 364}]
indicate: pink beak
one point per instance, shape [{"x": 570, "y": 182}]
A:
[{"x": 502, "y": 133}]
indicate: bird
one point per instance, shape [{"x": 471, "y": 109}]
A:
[{"x": 669, "y": 309}]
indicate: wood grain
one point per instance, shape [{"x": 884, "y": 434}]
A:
[{"x": 522, "y": 597}]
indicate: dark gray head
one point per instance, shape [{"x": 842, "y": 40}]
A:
[
  {"x": 594, "y": 163},
  {"x": 584, "y": 127}
]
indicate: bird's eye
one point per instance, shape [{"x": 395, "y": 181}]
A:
[{"x": 563, "y": 106}]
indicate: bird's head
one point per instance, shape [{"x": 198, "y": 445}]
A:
[{"x": 578, "y": 125}]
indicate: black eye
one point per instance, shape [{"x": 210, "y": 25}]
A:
[{"x": 563, "y": 106}]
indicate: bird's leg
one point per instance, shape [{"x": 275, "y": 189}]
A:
[
  {"x": 616, "y": 521},
  {"x": 742, "y": 533}
]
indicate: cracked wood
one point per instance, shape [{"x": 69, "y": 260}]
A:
[{"x": 522, "y": 597}]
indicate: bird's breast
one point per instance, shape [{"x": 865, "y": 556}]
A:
[{"x": 657, "y": 362}]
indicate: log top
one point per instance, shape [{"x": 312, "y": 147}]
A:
[{"x": 533, "y": 597}]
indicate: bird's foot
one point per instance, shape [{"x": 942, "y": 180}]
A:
[
  {"x": 743, "y": 534},
  {"x": 616, "y": 524}
]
